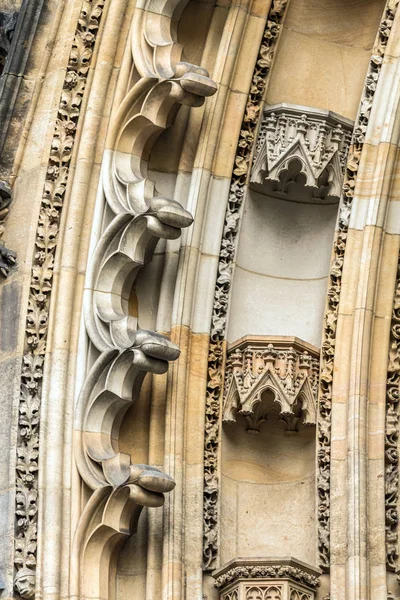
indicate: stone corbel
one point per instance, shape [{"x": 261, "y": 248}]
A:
[
  {"x": 111, "y": 387},
  {"x": 148, "y": 109},
  {"x": 304, "y": 146},
  {"x": 125, "y": 246},
  {"x": 267, "y": 579},
  {"x": 285, "y": 367}
]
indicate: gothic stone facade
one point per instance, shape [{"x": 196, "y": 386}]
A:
[{"x": 200, "y": 299}]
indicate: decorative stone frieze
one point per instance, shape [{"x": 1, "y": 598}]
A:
[
  {"x": 58, "y": 169},
  {"x": 286, "y": 367},
  {"x": 392, "y": 437},
  {"x": 301, "y": 145},
  {"x": 335, "y": 282},
  {"x": 268, "y": 579},
  {"x": 240, "y": 173}
]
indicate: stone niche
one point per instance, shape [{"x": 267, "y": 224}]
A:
[
  {"x": 286, "y": 233},
  {"x": 268, "y": 453},
  {"x": 267, "y": 579}
]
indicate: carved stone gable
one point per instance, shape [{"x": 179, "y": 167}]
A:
[
  {"x": 301, "y": 148},
  {"x": 283, "y": 368}
]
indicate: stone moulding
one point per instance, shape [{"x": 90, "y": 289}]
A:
[
  {"x": 141, "y": 217},
  {"x": 126, "y": 184},
  {"x": 111, "y": 387},
  {"x": 225, "y": 268},
  {"x": 392, "y": 437},
  {"x": 47, "y": 232},
  {"x": 267, "y": 579},
  {"x": 240, "y": 173},
  {"x": 299, "y": 143},
  {"x": 286, "y": 367},
  {"x": 137, "y": 218},
  {"x": 108, "y": 519},
  {"x": 334, "y": 284}
]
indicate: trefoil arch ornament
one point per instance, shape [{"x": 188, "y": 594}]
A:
[
  {"x": 300, "y": 143},
  {"x": 285, "y": 367}
]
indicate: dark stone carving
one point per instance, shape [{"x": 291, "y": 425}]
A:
[
  {"x": 7, "y": 257},
  {"x": 8, "y": 22}
]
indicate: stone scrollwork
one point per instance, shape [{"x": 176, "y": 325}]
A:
[
  {"x": 112, "y": 385},
  {"x": 240, "y": 173},
  {"x": 125, "y": 246},
  {"x": 141, "y": 218},
  {"x": 110, "y": 516},
  {"x": 287, "y": 368},
  {"x": 298, "y": 144},
  {"x": 127, "y": 185}
]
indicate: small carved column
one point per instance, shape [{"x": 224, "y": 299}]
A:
[{"x": 268, "y": 579}]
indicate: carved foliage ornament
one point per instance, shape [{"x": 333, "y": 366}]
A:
[
  {"x": 315, "y": 140},
  {"x": 286, "y": 369},
  {"x": 268, "y": 571},
  {"x": 392, "y": 437},
  {"x": 222, "y": 287},
  {"x": 40, "y": 292},
  {"x": 334, "y": 285}
]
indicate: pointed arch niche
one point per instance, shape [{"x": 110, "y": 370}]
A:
[
  {"x": 274, "y": 330},
  {"x": 279, "y": 282}
]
